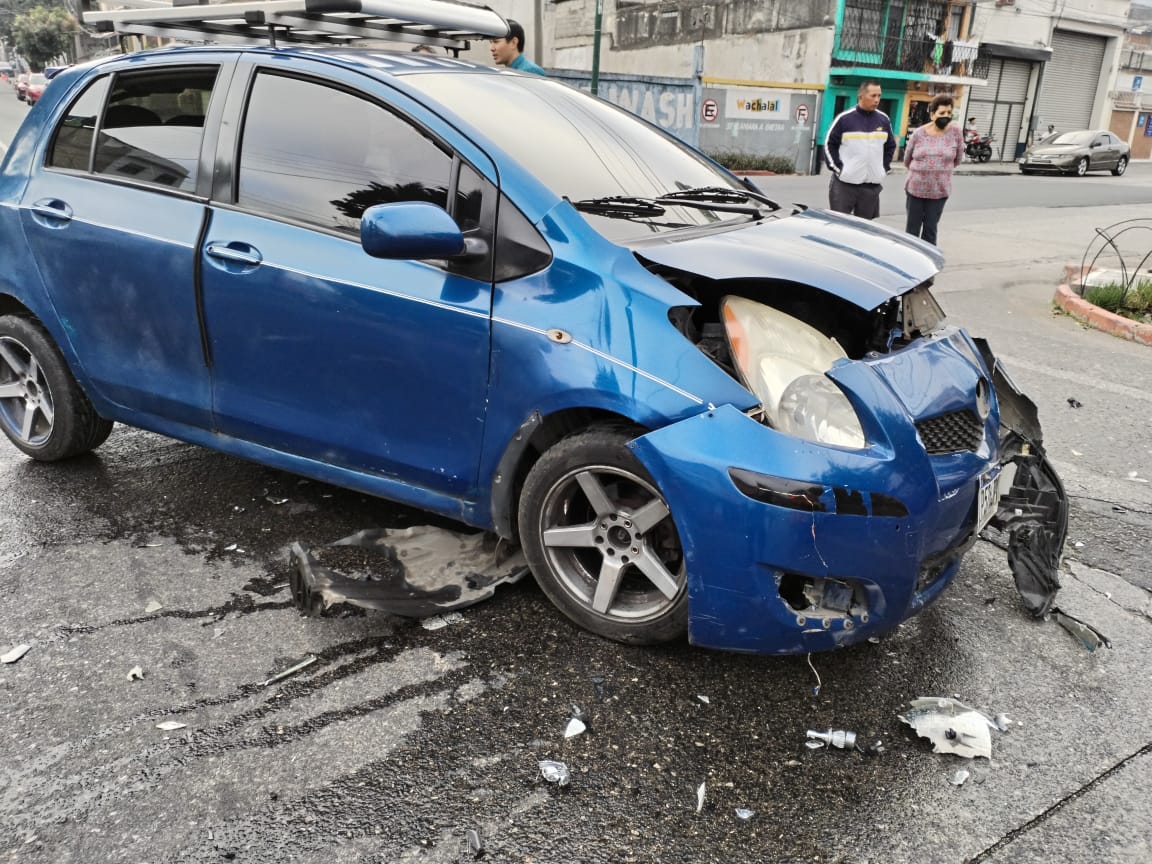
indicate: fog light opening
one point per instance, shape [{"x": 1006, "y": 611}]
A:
[{"x": 823, "y": 598}]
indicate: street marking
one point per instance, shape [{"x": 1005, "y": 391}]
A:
[{"x": 1013, "y": 363}]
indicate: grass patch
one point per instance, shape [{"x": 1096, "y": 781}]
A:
[
  {"x": 754, "y": 162},
  {"x": 1110, "y": 296},
  {"x": 1134, "y": 302}
]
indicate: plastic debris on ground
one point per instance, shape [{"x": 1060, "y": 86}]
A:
[
  {"x": 291, "y": 670},
  {"x": 575, "y": 727},
  {"x": 959, "y": 777},
  {"x": 1074, "y": 403},
  {"x": 555, "y": 772},
  {"x": 15, "y": 654},
  {"x": 414, "y": 572},
  {"x": 704, "y": 699},
  {"x": 951, "y": 726},
  {"x": 834, "y": 737},
  {"x": 170, "y": 726},
  {"x": 814, "y": 745},
  {"x": 1085, "y": 633},
  {"x": 153, "y": 606},
  {"x": 135, "y": 674},
  {"x": 439, "y": 622},
  {"x": 700, "y": 790},
  {"x": 744, "y": 814},
  {"x": 1002, "y": 722}
]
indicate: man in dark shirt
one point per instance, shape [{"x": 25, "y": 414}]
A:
[{"x": 859, "y": 150}]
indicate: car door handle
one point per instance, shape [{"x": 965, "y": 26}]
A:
[
  {"x": 52, "y": 208},
  {"x": 248, "y": 256}
]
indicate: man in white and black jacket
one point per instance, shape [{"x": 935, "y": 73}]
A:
[{"x": 859, "y": 150}]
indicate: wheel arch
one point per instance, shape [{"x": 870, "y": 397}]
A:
[
  {"x": 9, "y": 305},
  {"x": 533, "y": 437}
]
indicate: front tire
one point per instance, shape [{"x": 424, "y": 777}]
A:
[
  {"x": 601, "y": 541},
  {"x": 1121, "y": 167},
  {"x": 43, "y": 411}
]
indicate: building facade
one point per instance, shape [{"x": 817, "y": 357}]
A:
[{"x": 1132, "y": 98}]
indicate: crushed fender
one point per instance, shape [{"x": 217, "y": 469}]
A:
[
  {"x": 413, "y": 572},
  {"x": 1034, "y": 511}
]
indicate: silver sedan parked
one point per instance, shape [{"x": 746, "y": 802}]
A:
[{"x": 1077, "y": 153}]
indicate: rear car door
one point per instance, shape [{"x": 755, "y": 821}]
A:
[
  {"x": 318, "y": 349},
  {"x": 113, "y": 217}
]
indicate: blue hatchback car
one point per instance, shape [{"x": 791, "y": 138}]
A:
[{"x": 494, "y": 297}]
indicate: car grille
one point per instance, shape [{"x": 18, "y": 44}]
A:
[{"x": 954, "y": 432}]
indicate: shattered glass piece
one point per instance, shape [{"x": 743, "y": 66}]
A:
[
  {"x": 153, "y": 606},
  {"x": 276, "y": 501},
  {"x": 835, "y": 737},
  {"x": 435, "y": 622},
  {"x": 959, "y": 777},
  {"x": 744, "y": 814},
  {"x": 421, "y": 571},
  {"x": 475, "y": 843},
  {"x": 575, "y": 727},
  {"x": 951, "y": 726},
  {"x": 704, "y": 699},
  {"x": 291, "y": 670},
  {"x": 231, "y": 547},
  {"x": 15, "y": 654},
  {"x": 170, "y": 726},
  {"x": 700, "y": 797},
  {"x": 1085, "y": 633},
  {"x": 135, "y": 674},
  {"x": 555, "y": 772}
]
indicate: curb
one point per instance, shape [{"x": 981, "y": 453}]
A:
[{"x": 1097, "y": 318}]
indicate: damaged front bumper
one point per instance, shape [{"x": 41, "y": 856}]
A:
[{"x": 792, "y": 546}]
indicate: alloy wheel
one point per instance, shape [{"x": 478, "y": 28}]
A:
[
  {"x": 26, "y": 405},
  {"x": 1082, "y": 167},
  {"x": 611, "y": 543}
]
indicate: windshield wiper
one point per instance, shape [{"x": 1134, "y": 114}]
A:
[
  {"x": 719, "y": 194},
  {"x": 618, "y": 205}
]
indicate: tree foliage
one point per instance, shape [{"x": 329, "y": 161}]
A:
[{"x": 42, "y": 32}]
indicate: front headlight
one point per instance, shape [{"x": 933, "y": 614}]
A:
[{"x": 782, "y": 361}]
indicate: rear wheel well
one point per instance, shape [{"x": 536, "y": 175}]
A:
[{"x": 545, "y": 431}]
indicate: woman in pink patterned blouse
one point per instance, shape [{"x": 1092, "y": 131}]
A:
[{"x": 931, "y": 154}]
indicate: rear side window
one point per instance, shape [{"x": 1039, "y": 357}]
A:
[
  {"x": 318, "y": 155},
  {"x": 153, "y": 126},
  {"x": 71, "y": 146}
]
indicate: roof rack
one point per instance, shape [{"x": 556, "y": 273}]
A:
[{"x": 438, "y": 23}]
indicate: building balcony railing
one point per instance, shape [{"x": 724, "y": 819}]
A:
[
  {"x": 1130, "y": 99},
  {"x": 909, "y": 53}
]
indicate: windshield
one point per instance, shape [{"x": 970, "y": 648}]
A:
[
  {"x": 1079, "y": 138},
  {"x": 583, "y": 149}
]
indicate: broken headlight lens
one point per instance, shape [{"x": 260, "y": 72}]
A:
[{"x": 782, "y": 361}]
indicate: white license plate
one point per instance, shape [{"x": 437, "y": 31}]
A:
[{"x": 988, "y": 498}]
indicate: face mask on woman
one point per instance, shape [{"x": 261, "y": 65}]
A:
[{"x": 942, "y": 122}]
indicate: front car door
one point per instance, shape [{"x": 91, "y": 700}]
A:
[
  {"x": 1103, "y": 155},
  {"x": 113, "y": 218},
  {"x": 319, "y": 350}
]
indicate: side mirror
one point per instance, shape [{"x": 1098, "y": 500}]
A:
[
  {"x": 1095, "y": 144},
  {"x": 411, "y": 230}
]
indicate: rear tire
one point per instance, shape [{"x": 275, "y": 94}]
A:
[
  {"x": 1121, "y": 167},
  {"x": 43, "y": 411},
  {"x": 601, "y": 541}
]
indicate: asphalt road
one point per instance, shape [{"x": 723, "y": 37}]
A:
[{"x": 399, "y": 740}]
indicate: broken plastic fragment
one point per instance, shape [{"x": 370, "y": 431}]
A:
[
  {"x": 15, "y": 654},
  {"x": 1002, "y": 722},
  {"x": 744, "y": 814},
  {"x": 1075, "y": 403},
  {"x": 423, "y": 571},
  {"x": 959, "y": 777},
  {"x": 276, "y": 501},
  {"x": 835, "y": 737},
  {"x": 704, "y": 699},
  {"x": 951, "y": 726},
  {"x": 153, "y": 606},
  {"x": 555, "y": 772},
  {"x": 1088, "y": 636},
  {"x": 814, "y": 745},
  {"x": 439, "y": 622},
  {"x": 291, "y": 670},
  {"x": 575, "y": 727},
  {"x": 135, "y": 674},
  {"x": 700, "y": 797},
  {"x": 170, "y": 726}
]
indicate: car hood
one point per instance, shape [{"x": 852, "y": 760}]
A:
[
  {"x": 859, "y": 261},
  {"x": 1057, "y": 149}
]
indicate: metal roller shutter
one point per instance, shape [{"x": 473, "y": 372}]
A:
[
  {"x": 1070, "y": 80},
  {"x": 998, "y": 106}
]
